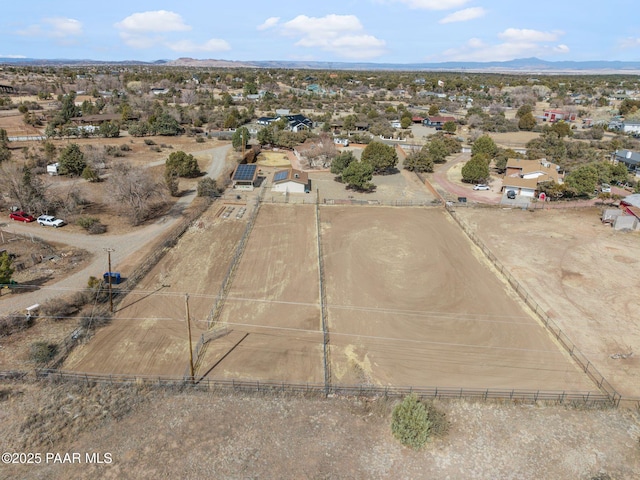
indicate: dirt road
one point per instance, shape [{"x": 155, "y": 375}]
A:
[{"x": 125, "y": 247}]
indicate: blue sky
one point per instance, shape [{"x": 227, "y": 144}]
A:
[{"x": 380, "y": 31}]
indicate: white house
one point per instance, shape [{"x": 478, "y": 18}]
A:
[
  {"x": 631, "y": 127},
  {"x": 291, "y": 181},
  {"x": 523, "y": 176}
]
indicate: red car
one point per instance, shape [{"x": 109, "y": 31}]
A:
[{"x": 21, "y": 217}]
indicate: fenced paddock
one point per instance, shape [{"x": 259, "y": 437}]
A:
[
  {"x": 411, "y": 301},
  {"x": 405, "y": 299},
  {"x": 563, "y": 397}
]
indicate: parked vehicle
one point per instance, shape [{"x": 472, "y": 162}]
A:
[
  {"x": 50, "y": 221},
  {"x": 21, "y": 216},
  {"x": 482, "y": 186},
  {"x": 605, "y": 188},
  {"x": 511, "y": 194}
]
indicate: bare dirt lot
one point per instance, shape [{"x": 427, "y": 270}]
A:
[
  {"x": 583, "y": 275},
  {"x": 275, "y": 299},
  {"x": 162, "y": 434},
  {"x": 405, "y": 287},
  {"x": 412, "y": 302},
  {"x": 148, "y": 334}
]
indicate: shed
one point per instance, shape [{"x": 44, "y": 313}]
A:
[
  {"x": 610, "y": 215},
  {"x": 244, "y": 176},
  {"x": 625, "y": 222}
]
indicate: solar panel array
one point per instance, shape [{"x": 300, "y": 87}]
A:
[
  {"x": 280, "y": 176},
  {"x": 245, "y": 172}
]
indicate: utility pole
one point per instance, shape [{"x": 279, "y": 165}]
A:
[
  {"x": 186, "y": 302},
  {"x": 109, "y": 250}
]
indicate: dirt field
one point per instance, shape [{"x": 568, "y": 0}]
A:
[
  {"x": 581, "y": 272},
  {"x": 163, "y": 434},
  {"x": 411, "y": 302},
  {"x": 148, "y": 334},
  {"x": 275, "y": 299}
]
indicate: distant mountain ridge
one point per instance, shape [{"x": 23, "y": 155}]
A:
[{"x": 520, "y": 65}]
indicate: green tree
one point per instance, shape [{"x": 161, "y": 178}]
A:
[
  {"x": 358, "y": 175},
  {"x": 405, "y": 122},
  {"x": 240, "y": 138},
  {"x": 619, "y": 172},
  {"x": 410, "y": 422},
  {"x": 380, "y": 156},
  {"x": 183, "y": 164},
  {"x": 438, "y": 150},
  {"x": 486, "y": 145},
  {"x": 527, "y": 122},
  {"x": 69, "y": 109},
  {"x": 419, "y": 161},
  {"x": 72, "y": 161},
  {"x": 563, "y": 129},
  {"x": 49, "y": 150},
  {"x": 342, "y": 161},
  {"x": 349, "y": 123},
  {"x": 449, "y": 127},
  {"x": 165, "y": 124},
  {"x": 110, "y": 130},
  {"x": 476, "y": 170},
  {"x": 5, "y": 153},
  {"x": 433, "y": 110},
  {"x": 524, "y": 110},
  {"x": 582, "y": 180},
  {"x": 5, "y": 268},
  {"x": 266, "y": 136}
]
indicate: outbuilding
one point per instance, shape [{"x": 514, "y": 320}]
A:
[{"x": 291, "y": 181}]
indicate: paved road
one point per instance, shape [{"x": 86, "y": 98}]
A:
[{"x": 124, "y": 246}]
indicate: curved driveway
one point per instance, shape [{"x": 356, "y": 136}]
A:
[{"x": 123, "y": 246}]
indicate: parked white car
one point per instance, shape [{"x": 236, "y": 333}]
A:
[
  {"x": 605, "y": 188},
  {"x": 482, "y": 186},
  {"x": 49, "y": 221}
]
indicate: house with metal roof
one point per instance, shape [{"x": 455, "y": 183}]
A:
[{"x": 630, "y": 158}]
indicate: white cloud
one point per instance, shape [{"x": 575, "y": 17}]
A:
[
  {"x": 518, "y": 44},
  {"x": 269, "y": 23},
  {"x": 524, "y": 35},
  {"x": 629, "y": 42},
  {"x": 433, "y": 4},
  {"x": 464, "y": 15},
  {"x": 12, "y": 56},
  {"x": 343, "y": 35},
  {"x": 158, "y": 21},
  {"x": 213, "y": 45},
  {"x": 54, "y": 27},
  {"x": 149, "y": 29},
  {"x": 64, "y": 27}
]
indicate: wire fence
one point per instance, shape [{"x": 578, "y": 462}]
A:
[
  {"x": 590, "y": 399},
  {"x": 550, "y": 325},
  {"x": 323, "y": 302},
  {"x": 216, "y": 310}
]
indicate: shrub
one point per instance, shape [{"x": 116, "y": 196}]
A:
[
  {"x": 42, "y": 352},
  {"x": 149, "y": 142},
  {"x": 14, "y": 323},
  {"x": 59, "y": 309},
  {"x": 410, "y": 424},
  {"x": 199, "y": 139},
  {"x": 207, "y": 187},
  {"x": 125, "y": 148},
  {"x": 91, "y": 225}
]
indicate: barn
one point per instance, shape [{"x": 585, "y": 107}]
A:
[{"x": 291, "y": 181}]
